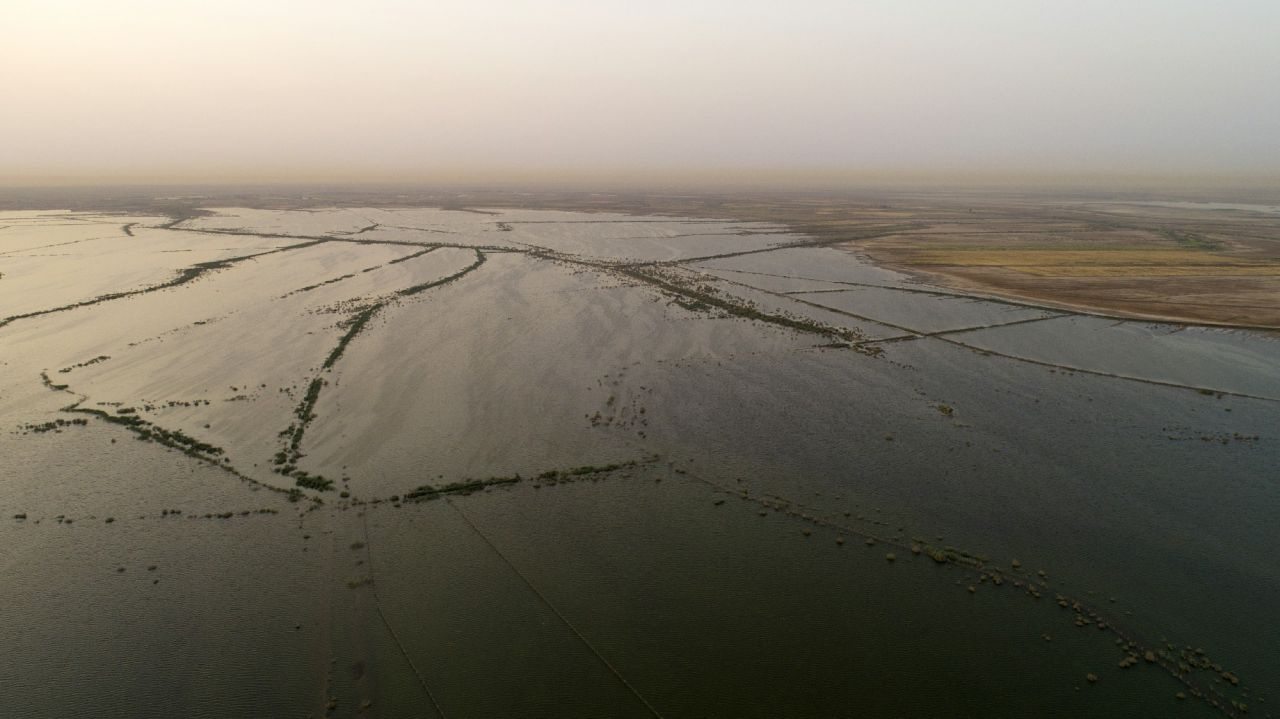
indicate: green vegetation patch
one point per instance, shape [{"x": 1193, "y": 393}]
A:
[
  {"x": 554, "y": 476},
  {"x": 704, "y": 298},
  {"x": 1192, "y": 240},
  {"x": 427, "y": 492},
  {"x": 86, "y": 363},
  {"x": 312, "y": 481},
  {"x": 147, "y": 431},
  {"x": 54, "y": 425}
]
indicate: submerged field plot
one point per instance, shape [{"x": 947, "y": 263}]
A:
[{"x": 487, "y": 462}]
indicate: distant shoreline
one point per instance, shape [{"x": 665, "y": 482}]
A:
[{"x": 1126, "y": 256}]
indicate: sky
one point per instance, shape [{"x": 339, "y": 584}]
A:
[{"x": 398, "y": 90}]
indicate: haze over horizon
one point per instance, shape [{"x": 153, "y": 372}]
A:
[
  {"x": 383, "y": 91},
  {"x": 577, "y": 358}
]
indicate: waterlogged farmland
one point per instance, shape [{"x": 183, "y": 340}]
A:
[{"x": 484, "y": 462}]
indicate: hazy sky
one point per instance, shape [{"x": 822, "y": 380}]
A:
[{"x": 387, "y": 89}]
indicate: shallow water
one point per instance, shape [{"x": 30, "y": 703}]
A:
[
  {"x": 1217, "y": 359},
  {"x": 1268, "y": 209},
  {"x": 724, "y": 554}
]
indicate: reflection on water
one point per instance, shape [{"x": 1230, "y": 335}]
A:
[
  {"x": 683, "y": 500},
  {"x": 1268, "y": 209}
]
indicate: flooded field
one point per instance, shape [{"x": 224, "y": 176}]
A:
[{"x": 483, "y": 462}]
